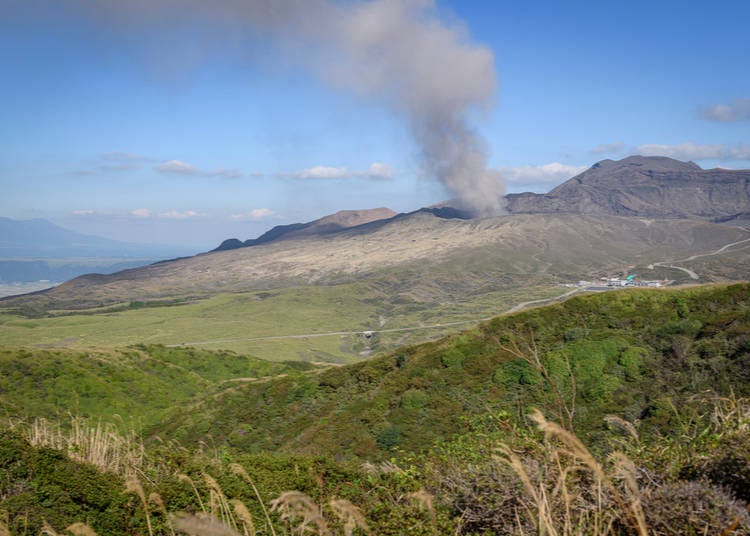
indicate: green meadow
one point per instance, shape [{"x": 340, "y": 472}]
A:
[{"x": 277, "y": 325}]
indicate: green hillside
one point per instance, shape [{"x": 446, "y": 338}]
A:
[
  {"x": 135, "y": 386},
  {"x": 580, "y": 360},
  {"x": 653, "y": 384}
]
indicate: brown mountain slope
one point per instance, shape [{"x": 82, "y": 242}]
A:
[
  {"x": 654, "y": 187},
  {"x": 343, "y": 219},
  {"x": 452, "y": 258}
]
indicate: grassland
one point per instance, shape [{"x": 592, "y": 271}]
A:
[{"x": 240, "y": 322}]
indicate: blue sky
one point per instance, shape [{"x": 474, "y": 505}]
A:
[{"x": 188, "y": 129}]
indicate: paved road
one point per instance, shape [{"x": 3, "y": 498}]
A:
[{"x": 691, "y": 273}]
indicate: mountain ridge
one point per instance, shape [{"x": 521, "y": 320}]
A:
[
  {"x": 510, "y": 247},
  {"x": 339, "y": 221},
  {"x": 654, "y": 187}
]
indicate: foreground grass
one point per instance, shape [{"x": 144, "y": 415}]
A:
[
  {"x": 494, "y": 479},
  {"x": 623, "y": 413}
]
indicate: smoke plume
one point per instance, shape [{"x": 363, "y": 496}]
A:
[{"x": 398, "y": 52}]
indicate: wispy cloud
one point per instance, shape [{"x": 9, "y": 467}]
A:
[
  {"x": 256, "y": 214},
  {"x": 736, "y": 110},
  {"x": 123, "y": 166},
  {"x": 177, "y": 167},
  {"x": 608, "y": 148},
  {"x": 115, "y": 161},
  {"x": 537, "y": 178},
  {"x": 177, "y": 215},
  {"x": 83, "y": 212},
  {"x": 694, "y": 151},
  {"x": 376, "y": 171},
  {"x": 141, "y": 213}
]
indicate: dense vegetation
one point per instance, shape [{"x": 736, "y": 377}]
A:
[
  {"x": 139, "y": 384},
  {"x": 623, "y": 353},
  {"x": 653, "y": 383}
]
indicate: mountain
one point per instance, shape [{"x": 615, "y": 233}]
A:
[
  {"x": 43, "y": 239},
  {"x": 418, "y": 259},
  {"x": 343, "y": 219},
  {"x": 652, "y": 187}
]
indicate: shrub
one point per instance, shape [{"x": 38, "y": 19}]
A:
[
  {"x": 693, "y": 508},
  {"x": 414, "y": 399}
]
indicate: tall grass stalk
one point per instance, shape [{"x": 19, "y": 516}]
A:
[
  {"x": 99, "y": 444},
  {"x": 295, "y": 505},
  {"x": 563, "y": 501},
  {"x": 133, "y": 485},
  {"x": 239, "y": 470}
]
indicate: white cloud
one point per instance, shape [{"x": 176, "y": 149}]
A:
[
  {"x": 177, "y": 167},
  {"x": 608, "y": 148},
  {"x": 141, "y": 213},
  {"x": 377, "y": 170},
  {"x": 83, "y": 212},
  {"x": 256, "y": 214},
  {"x": 736, "y": 110},
  {"x": 176, "y": 215},
  {"x": 693, "y": 151},
  {"x": 323, "y": 172},
  {"x": 537, "y": 178}
]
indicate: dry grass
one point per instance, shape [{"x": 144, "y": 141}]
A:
[
  {"x": 425, "y": 501},
  {"x": 81, "y": 529},
  {"x": 570, "y": 492},
  {"x": 101, "y": 445},
  {"x": 237, "y": 469},
  {"x": 201, "y": 525},
  {"x": 350, "y": 516},
  {"x": 133, "y": 485},
  {"x": 244, "y": 516},
  {"x": 300, "y": 513}
]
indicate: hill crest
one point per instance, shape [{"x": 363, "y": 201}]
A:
[{"x": 645, "y": 186}]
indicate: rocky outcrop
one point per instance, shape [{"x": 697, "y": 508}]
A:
[{"x": 656, "y": 187}]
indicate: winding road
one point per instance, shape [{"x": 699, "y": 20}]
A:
[{"x": 692, "y": 274}]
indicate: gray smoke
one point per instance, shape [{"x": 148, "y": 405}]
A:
[{"x": 398, "y": 52}]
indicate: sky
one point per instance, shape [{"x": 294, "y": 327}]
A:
[{"x": 185, "y": 122}]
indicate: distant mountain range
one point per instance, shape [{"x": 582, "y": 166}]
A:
[
  {"x": 584, "y": 226},
  {"x": 653, "y": 187},
  {"x": 40, "y": 238},
  {"x": 36, "y": 250}
]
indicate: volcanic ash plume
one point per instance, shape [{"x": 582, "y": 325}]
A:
[{"x": 395, "y": 51}]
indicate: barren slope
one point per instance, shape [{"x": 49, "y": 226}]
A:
[
  {"x": 656, "y": 187},
  {"x": 419, "y": 251}
]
